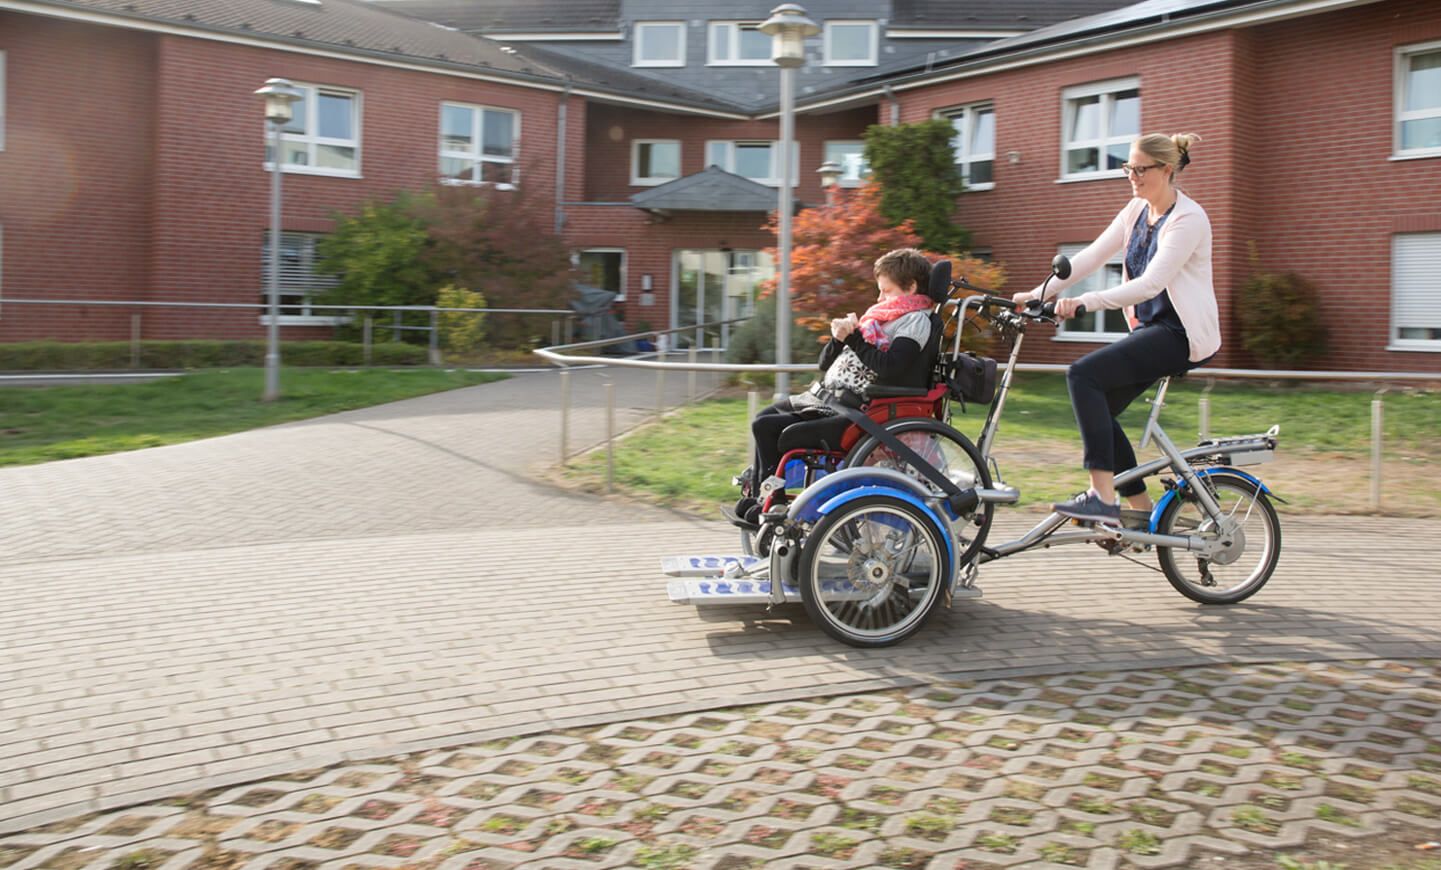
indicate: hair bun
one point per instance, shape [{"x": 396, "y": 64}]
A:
[{"x": 1183, "y": 142}]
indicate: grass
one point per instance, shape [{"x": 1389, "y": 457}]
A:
[
  {"x": 1322, "y": 463},
  {"x": 66, "y": 422}
]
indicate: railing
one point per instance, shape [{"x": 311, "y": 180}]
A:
[
  {"x": 562, "y": 356},
  {"x": 562, "y": 325}
]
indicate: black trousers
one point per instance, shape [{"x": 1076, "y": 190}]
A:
[
  {"x": 766, "y": 429},
  {"x": 1105, "y": 382}
]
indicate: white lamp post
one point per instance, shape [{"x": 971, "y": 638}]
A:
[
  {"x": 788, "y": 28},
  {"x": 830, "y": 173},
  {"x": 279, "y": 94}
]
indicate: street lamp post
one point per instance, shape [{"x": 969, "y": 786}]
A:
[
  {"x": 279, "y": 94},
  {"x": 788, "y": 28},
  {"x": 830, "y": 173}
]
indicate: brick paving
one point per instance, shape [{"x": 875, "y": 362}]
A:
[{"x": 393, "y": 581}]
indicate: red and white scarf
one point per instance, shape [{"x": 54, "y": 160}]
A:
[{"x": 885, "y": 312}]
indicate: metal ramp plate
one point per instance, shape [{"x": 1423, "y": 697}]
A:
[
  {"x": 709, "y": 566},
  {"x": 715, "y": 590}
]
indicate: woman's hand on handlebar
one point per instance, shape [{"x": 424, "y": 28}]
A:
[{"x": 1066, "y": 307}]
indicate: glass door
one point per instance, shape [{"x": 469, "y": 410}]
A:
[{"x": 714, "y": 286}]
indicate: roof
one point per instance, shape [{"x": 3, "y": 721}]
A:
[
  {"x": 515, "y": 16},
  {"x": 711, "y": 189},
  {"x": 623, "y": 80},
  {"x": 1006, "y": 15},
  {"x": 1111, "y": 21},
  {"x": 347, "y": 26}
]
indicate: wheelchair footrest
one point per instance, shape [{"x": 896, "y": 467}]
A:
[
  {"x": 717, "y": 590},
  {"x": 717, "y": 567}
]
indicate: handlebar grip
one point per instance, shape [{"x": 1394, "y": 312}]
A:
[{"x": 1049, "y": 310}]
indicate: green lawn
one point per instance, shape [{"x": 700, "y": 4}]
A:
[
  {"x": 1322, "y": 463},
  {"x": 38, "y": 424}
]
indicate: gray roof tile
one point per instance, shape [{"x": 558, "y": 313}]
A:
[
  {"x": 998, "y": 15},
  {"x": 515, "y": 16},
  {"x": 711, "y": 189}
]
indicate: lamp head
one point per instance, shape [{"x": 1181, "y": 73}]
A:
[
  {"x": 279, "y": 94},
  {"x": 788, "y": 28},
  {"x": 830, "y": 173}
]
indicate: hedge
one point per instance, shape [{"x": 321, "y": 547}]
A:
[{"x": 112, "y": 355}]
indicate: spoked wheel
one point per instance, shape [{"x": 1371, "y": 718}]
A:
[
  {"x": 872, "y": 571},
  {"x": 1243, "y": 566},
  {"x": 952, "y": 453}
]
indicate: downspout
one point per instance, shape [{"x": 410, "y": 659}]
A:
[
  {"x": 890, "y": 96},
  {"x": 560, "y": 157}
]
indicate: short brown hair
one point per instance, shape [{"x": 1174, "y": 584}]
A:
[{"x": 905, "y": 266}]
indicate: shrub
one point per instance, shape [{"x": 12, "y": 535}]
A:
[
  {"x": 1281, "y": 320},
  {"x": 35, "y": 356},
  {"x": 755, "y": 340},
  {"x": 460, "y": 332}
]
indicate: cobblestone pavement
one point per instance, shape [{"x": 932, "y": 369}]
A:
[
  {"x": 394, "y": 581},
  {"x": 1181, "y": 767}
]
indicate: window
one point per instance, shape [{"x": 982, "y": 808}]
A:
[
  {"x": 733, "y": 43},
  {"x": 654, "y": 161},
  {"x": 975, "y": 144},
  {"x": 1418, "y": 101},
  {"x": 659, "y": 43},
  {"x": 477, "y": 145},
  {"x": 758, "y": 161},
  {"x": 299, "y": 280},
  {"x": 1094, "y": 325},
  {"x": 323, "y": 137},
  {"x": 851, "y": 155},
  {"x": 1099, "y": 121},
  {"x": 850, "y": 43},
  {"x": 1415, "y": 293},
  {"x": 604, "y": 268}
]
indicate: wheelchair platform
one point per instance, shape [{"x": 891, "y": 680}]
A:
[
  {"x": 709, "y": 566},
  {"x": 717, "y": 580}
]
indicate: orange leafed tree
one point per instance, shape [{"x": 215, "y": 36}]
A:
[{"x": 833, "y": 255}]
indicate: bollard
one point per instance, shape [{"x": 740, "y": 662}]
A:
[
  {"x": 659, "y": 394},
  {"x": 1203, "y": 409},
  {"x": 564, "y": 412},
  {"x": 569, "y": 328},
  {"x": 609, "y": 437},
  {"x": 554, "y": 333},
  {"x": 753, "y": 405},
  {"x": 368, "y": 334},
  {"x": 395, "y": 328},
  {"x": 1377, "y": 415},
  {"x": 434, "y": 337},
  {"x": 690, "y": 376},
  {"x": 135, "y": 341},
  {"x": 715, "y": 357}
]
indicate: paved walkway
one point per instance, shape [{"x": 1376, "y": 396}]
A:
[{"x": 393, "y": 580}]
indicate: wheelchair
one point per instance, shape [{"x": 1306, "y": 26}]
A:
[{"x": 918, "y": 417}]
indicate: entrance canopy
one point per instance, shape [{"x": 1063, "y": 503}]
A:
[{"x": 711, "y": 189}]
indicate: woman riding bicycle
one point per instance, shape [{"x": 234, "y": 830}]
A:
[
  {"x": 1170, "y": 305},
  {"x": 885, "y": 345}
]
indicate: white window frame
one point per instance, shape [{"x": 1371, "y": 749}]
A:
[
  {"x": 1098, "y": 333},
  {"x": 733, "y": 42},
  {"x": 478, "y": 157},
  {"x": 865, "y": 168},
  {"x": 1106, "y": 91},
  {"x": 2, "y": 101},
  {"x": 624, "y": 265},
  {"x": 871, "y": 60},
  {"x": 322, "y": 282},
  {"x": 639, "y": 180},
  {"x": 637, "y": 60},
  {"x": 1432, "y": 345},
  {"x": 775, "y": 168},
  {"x": 313, "y": 140},
  {"x": 1403, "y": 65},
  {"x": 962, "y": 142}
]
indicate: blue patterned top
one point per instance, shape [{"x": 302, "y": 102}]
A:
[{"x": 1158, "y": 309}]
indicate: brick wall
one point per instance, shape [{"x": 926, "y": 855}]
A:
[{"x": 75, "y": 175}]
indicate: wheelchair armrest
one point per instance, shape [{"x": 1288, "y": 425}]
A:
[{"x": 885, "y": 391}]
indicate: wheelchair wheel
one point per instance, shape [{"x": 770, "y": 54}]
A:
[
  {"x": 949, "y": 451},
  {"x": 872, "y": 571}
]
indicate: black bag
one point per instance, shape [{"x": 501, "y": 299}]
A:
[{"x": 971, "y": 378}]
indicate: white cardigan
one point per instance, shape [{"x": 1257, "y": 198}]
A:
[{"x": 1182, "y": 264}]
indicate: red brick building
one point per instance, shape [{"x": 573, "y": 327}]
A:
[{"x": 133, "y": 153}]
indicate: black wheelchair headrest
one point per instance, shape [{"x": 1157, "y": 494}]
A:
[{"x": 939, "y": 287}]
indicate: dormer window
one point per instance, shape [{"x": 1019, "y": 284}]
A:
[
  {"x": 659, "y": 43},
  {"x": 851, "y": 43},
  {"x": 734, "y": 43}
]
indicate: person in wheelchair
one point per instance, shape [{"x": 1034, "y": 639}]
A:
[{"x": 894, "y": 342}]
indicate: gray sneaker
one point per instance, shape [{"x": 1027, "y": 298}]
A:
[{"x": 1088, "y": 508}]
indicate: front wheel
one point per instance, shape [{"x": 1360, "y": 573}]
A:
[
  {"x": 872, "y": 571},
  {"x": 1250, "y": 526}
]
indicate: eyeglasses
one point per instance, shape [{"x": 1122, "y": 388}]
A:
[{"x": 1139, "y": 171}]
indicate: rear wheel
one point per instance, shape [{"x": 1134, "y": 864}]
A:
[
  {"x": 952, "y": 454},
  {"x": 1250, "y": 529},
  {"x": 873, "y": 570}
]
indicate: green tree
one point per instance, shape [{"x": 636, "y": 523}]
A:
[
  {"x": 915, "y": 165},
  {"x": 381, "y": 255}
]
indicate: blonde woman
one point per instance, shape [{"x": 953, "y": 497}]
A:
[{"x": 1170, "y": 304}]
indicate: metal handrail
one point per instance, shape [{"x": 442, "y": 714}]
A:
[{"x": 9, "y": 300}]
